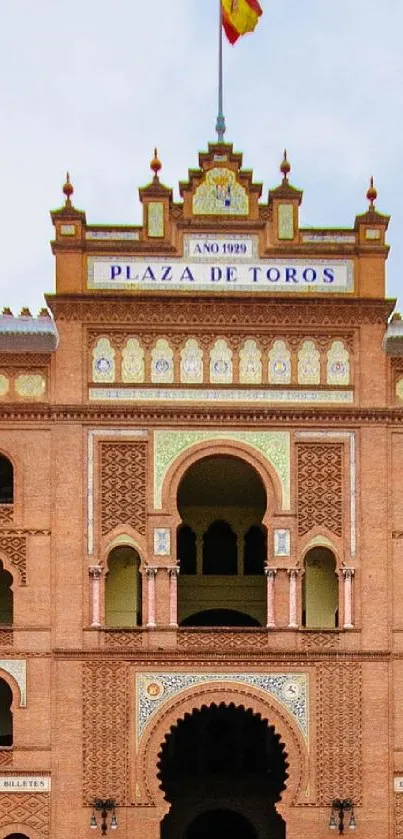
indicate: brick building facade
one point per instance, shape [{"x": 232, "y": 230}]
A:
[{"x": 201, "y": 526}]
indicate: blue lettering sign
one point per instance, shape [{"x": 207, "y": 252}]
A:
[
  {"x": 232, "y": 274},
  {"x": 115, "y": 271},
  {"x": 254, "y": 270},
  {"x": 291, "y": 275},
  {"x": 309, "y": 275},
  {"x": 273, "y": 275},
  {"x": 166, "y": 272},
  {"x": 216, "y": 274},
  {"x": 187, "y": 275},
  {"x": 328, "y": 275},
  {"x": 148, "y": 274}
]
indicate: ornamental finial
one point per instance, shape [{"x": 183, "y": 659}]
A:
[
  {"x": 285, "y": 167},
  {"x": 372, "y": 194},
  {"x": 68, "y": 189},
  {"x": 156, "y": 165}
]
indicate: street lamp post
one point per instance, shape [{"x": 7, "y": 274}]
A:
[
  {"x": 104, "y": 806},
  {"x": 340, "y": 806}
]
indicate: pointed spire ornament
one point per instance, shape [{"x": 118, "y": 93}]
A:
[
  {"x": 285, "y": 167},
  {"x": 156, "y": 166},
  {"x": 68, "y": 190},
  {"x": 372, "y": 194}
]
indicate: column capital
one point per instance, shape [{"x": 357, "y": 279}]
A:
[
  {"x": 151, "y": 572},
  {"x": 174, "y": 571},
  {"x": 293, "y": 573},
  {"x": 95, "y": 571},
  {"x": 348, "y": 573},
  {"x": 270, "y": 573}
]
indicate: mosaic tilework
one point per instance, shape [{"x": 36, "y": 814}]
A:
[
  {"x": 250, "y": 363},
  {"x": 17, "y": 668},
  {"x": 266, "y": 397},
  {"x": 153, "y": 690},
  {"x": 273, "y": 445},
  {"x": 103, "y": 361},
  {"x": 30, "y": 385},
  {"x": 156, "y": 219},
  {"x": 220, "y": 194},
  {"x": 191, "y": 365}
]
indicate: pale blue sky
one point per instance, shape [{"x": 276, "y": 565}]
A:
[{"x": 92, "y": 85}]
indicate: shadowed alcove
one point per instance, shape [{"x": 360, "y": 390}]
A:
[
  {"x": 223, "y": 770},
  {"x": 221, "y": 544}
]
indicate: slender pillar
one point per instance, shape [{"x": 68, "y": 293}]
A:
[
  {"x": 95, "y": 572},
  {"x": 270, "y": 578},
  {"x": 173, "y": 596},
  {"x": 348, "y": 574},
  {"x": 151, "y": 575},
  {"x": 293, "y": 621}
]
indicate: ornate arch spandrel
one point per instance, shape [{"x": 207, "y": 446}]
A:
[
  {"x": 268, "y": 453},
  {"x": 148, "y": 790}
]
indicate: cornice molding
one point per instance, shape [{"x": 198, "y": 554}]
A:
[
  {"x": 153, "y": 310},
  {"x": 157, "y": 415}
]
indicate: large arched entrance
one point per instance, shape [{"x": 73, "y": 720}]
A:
[
  {"x": 223, "y": 769},
  {"x": 222, "y": 544}
]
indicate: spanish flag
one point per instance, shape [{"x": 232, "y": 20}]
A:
[{"x": 239, "y": 17}]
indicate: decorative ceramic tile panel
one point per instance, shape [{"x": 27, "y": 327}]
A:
[
  {"x": 132, "y": 361},
  {"x": 399, "y": 389},
  {"x": 117, "y": 235},
  {"x": 191, "y": 367},
  {"x": 155, "y": 216},
  {"x": 30, "y": 385},
  {"x": 338, "y": 365},
  {"x": 271, "y": 396},
  {"x": 250, "y": 363},
  {"x": 279, "y": 364},
  {"x": 286, "y": 221},
  {"x": 220, "y": 194},
  {"x": 4, "y": 385},
  {"x": 282, "y": 542},
  {"x": 273, "y": 445},
  {"x": 153, "y": 690},
  {"x": 308, "y": 364},
  {"x": 162, "y": 364},
  {"x": 221, "y": 363},
  {"x": 162, "y": 541},
  {"x": 103, "y": 361},
  {"x": 17, "y": 668}
]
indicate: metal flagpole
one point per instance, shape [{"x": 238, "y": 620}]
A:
[{"x": 220, "y": 125}]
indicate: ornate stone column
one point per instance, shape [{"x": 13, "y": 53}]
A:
[
  {"x": 151, "y": 574},
  {"x": 348, "y": 574},
  {"x": 173, "y": 596},
  {"x": 95, "y": 572},
  {"x": 293, "y": 620},
  {"x": 270, "y": 579}
]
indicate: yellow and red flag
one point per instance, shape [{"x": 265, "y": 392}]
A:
[{"x": 239, "y": 17}]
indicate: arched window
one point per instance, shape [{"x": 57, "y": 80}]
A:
[
  {"x": 123, "y": 588},
  {"x": 6, "y": 597},
  {"x": 220, "y": 549},
  {"x": 17, "y": 836},
  {"x": 320, "y": 590},
  {"x": 6, "y": 481},
  {"x": 186, "y": 549},
  {"x": 6, "y": 716},
  {"x": 255, "y": 550}
]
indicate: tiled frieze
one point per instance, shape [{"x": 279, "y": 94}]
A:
[
  {"x": 273, "y": 445},
  {"x": 215, "y": 359},
  {"x": 23, "y": 385},
  {"x": 153, "y": 690}
]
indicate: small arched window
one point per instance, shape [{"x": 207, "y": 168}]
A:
[
  {"x": 17, "y": 836},
  {"x": 186, "y": 549},
  {"x": 123, "y": 588},
  {"x": 220, "y": 549},
  {"x": 320, "y": 590},
  {"x": 6, "y": 481},
  {"x": 6, "y": 716},
  {"x": 6, "y": 597}
]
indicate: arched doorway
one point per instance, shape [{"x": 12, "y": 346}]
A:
[
  {"x": 220, "y": 824},
  {"x": 223, "y": 769},
  {"x": 222, "y": 543}
]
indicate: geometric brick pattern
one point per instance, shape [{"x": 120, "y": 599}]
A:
[
  {"x": 6, "y": 514},
  {"x": 15, "y": 547},
  {"x": 339, "y": 732},
  {"x": 105, "y": 731},
  {"x": 123, "y": 485},
  {"x": 399, "y": 815},
  {"x": 31, "y": 809},
  {"x": 320, "y": 487}
]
